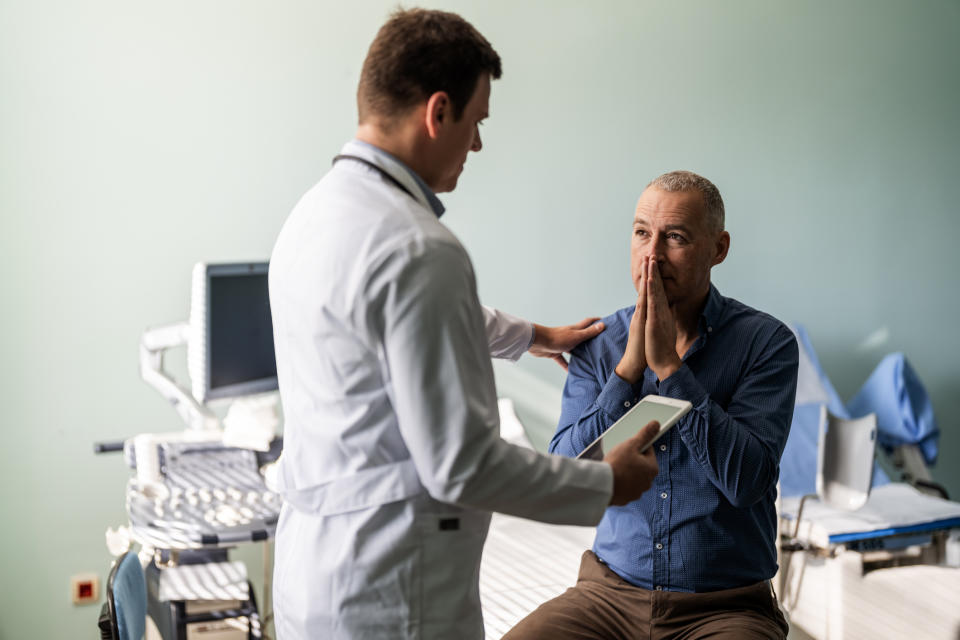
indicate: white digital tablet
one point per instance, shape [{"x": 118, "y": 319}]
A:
[{"x": 666, "y": 411}]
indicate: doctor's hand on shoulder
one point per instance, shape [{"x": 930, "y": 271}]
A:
[
  {"x": 553, "y": 342},
  {"x": 633, "y": 471}
]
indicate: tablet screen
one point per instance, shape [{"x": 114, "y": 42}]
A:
[{"x": 626, "y": 427}]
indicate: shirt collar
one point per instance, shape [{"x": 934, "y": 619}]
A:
[
  {"x": 712, "y": 311},
  {"x": 428, "y": 193}
]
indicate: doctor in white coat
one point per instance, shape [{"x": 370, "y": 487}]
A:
[{"x": 392, "y": 458}]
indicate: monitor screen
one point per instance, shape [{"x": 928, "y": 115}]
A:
[{"x": 232, "y": 334}]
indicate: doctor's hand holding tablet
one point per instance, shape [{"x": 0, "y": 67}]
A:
[{"x": 631, "y": 453}]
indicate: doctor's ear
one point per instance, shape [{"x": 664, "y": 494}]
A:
[{"x": 438, "y": 105}]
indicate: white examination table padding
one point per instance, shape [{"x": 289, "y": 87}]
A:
[{"x": 874, "y": 573}]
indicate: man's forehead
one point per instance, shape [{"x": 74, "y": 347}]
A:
[
  {"x": 655, "y": 202},
  {"x": 480, "y": 100}
]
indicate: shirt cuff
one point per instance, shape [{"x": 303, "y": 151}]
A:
[
  {"x": 596, "y": 479},
  {"x": 509, "y": 337},
  {"x": 683, "y": 385},
  {"x": 618, "y": 396},
  {"x": 604, "y": 478},
  {"x": 533, "y": 336}
]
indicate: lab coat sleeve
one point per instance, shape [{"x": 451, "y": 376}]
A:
[
  {"x": 445, "y": 401},
  {"x": 508, "y": 337},
  {"x": 739, "y": 447}
]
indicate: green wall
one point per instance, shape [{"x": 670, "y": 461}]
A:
[{"x": 138, "y": 138}]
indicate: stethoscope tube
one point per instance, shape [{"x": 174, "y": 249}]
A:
[{"x": 397, "y": 183}]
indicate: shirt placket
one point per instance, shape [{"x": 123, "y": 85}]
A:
[
  {"x": 661, "y": 527},
  {"x": 662, "y": 487}
]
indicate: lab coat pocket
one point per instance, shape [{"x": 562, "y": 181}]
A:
[
  {"x": 374, "y": 564},
  {"x": 451, "y": 541}
]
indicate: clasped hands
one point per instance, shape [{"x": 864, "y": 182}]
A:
[{"x": 652, "y": 340}]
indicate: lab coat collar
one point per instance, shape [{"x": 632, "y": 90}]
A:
[{"x": 392, "y": 165}]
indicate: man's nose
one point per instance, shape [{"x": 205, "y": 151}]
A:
[
  {"x": 655, "y": 247},
  {"x": 477, "y": 143}
]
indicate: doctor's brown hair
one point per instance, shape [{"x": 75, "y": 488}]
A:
[{"x": 417, "y": 53}]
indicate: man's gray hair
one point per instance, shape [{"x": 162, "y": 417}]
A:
[{"x": 688, "y": 181}]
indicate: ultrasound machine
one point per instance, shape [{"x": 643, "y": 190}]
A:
[{"x": 196, "y": 493}]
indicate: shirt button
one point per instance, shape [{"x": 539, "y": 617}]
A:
[
  {"x": 664, "y": 495},
  {"x": 627, "y": 403},
  {"x": 663, "y": 447},
  {"x": 659, "y": 546},
  {"x": 659, "y": 588},
  {"x": 709, "y": 329}
]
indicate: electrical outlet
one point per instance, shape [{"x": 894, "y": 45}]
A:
[{"x": 85, "y": 588}]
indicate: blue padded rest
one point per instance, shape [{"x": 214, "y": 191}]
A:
[
  {"x": 128, "y": 589},
  {"x": 903, "y": 408},
  {"x": 798, "y": 466},
  {"x": 813, "y": 384}
]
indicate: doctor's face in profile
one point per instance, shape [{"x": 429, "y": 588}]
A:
[{"x": 462, "y": 136}]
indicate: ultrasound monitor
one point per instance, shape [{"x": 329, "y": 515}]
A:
[{"x": 230, "y": 349}]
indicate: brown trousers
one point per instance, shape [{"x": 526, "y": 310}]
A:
[{"x": 603, "y": 605}]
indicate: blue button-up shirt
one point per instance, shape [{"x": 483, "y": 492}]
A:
[{"x": 708, "y": 522}]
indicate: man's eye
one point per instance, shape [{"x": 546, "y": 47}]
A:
[
  {"x": 676, "y": 237},
  {"x": 640, "y": 232}
]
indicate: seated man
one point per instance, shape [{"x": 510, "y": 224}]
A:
[{"x": 693, "y": 557}]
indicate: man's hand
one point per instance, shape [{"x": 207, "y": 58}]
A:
[
  {"x": 633, "y": 472},
  {"x": 634, "y": 359},
  {"x": 661, "y": 328},
  {"x": 553, "y": 342}
]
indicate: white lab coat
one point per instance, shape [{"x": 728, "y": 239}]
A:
[{"x": 392, "y": 460}]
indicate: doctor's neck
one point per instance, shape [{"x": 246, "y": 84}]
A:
[{"x": 403, "y": 138}]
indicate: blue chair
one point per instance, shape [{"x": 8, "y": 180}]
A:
[{"x": 124, "y": 616}]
